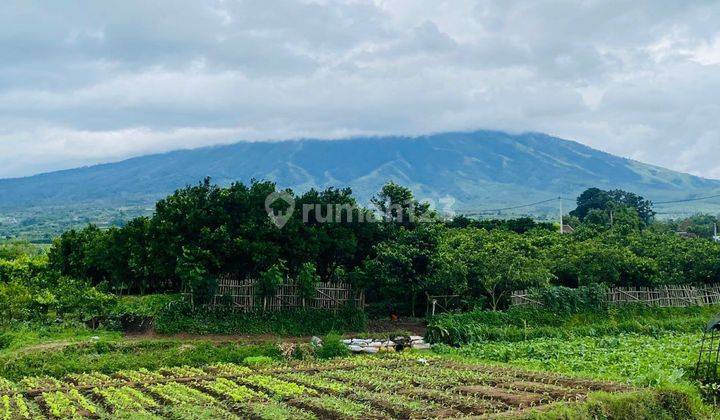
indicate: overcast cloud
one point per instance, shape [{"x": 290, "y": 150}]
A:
[{"x": 86, "y": 81}]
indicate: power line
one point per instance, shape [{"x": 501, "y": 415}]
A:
[
  {"x": 687, "y": 200},
  {"x": 480, "y": 212}
]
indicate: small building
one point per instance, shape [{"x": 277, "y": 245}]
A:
[{"x": 567, "y": 229}]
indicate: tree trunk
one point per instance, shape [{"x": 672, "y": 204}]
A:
[
  {"x": 412, "y": 302},
  {"x": 493, "y": 301}
]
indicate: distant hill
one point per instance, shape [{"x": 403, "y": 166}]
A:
[{"x": 481, "y": 170}]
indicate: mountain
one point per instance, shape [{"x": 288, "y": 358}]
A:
[{"x": 480, "y": 170}]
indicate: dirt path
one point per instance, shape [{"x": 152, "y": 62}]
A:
[{"x": 414, "y": 326}]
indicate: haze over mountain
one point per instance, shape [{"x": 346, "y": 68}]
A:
[{"x": 480, "y": 170}]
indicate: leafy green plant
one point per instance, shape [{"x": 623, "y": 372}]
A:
[
  {"x": 269, "y": 281},
  {"x": 277, "y": 387},
  {"x": 332, "y": 347},
  {"x": 258, "y": 361},
  {"x": 235, "y": 392},
  {"x": 307, "y": 280},
  {"x": 181, "y": 318},
  {"x": 127, "y": 357},
  {"x": 68, "y": 404},
  {"x": 272, "y": 410},
  {"x": 523, "y": 323},
  {"x": 566, "y": 300},
  {"x": 229, "y": 369},
  {"x": 179, "y": 394},
  {"x": 126, "y": 399},
  {"x": 6, "y": 385}
]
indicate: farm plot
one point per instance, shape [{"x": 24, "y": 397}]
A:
[{"x": 362, "y": 387}]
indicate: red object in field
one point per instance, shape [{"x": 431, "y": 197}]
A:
[{"x": 394, "y": 317}]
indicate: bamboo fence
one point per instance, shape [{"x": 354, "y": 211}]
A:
[
  {"x": 663, "y": 296},
  {"x": 242, "y": 295}
]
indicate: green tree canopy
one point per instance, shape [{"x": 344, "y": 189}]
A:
[{"x": 609, "y": 202}]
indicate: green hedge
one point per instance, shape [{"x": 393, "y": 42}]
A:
[{"x": 180, "y": 318}]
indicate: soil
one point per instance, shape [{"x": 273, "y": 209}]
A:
[
  {"x": 414, "y": 326},
  {"x": 219, "y": 338},
  {"x": 514, "y": 399}
]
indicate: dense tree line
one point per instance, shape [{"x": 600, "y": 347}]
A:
[{"x": 202, "y": 231}]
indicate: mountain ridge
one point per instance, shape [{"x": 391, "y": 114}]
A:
[{"x": 475, "y": 168}]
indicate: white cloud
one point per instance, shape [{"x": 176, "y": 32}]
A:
[{"x": 101, "y": 81}]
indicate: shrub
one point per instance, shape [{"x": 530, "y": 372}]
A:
[
  {"x": 138, "y": 313},
  {"x": 270, "y": 280},
  {"x": 5, "y": 340},
  {"x": 307, "y": 281},
  {"x": 258, "y": 360},
  {"x": 332, "y": 347},
  {"x": 571, "y": 300},
  {"x": 644, "y": 404},
  {"x": 523, "y": 323},
  {"x": 109, "y": 357},
  {"x": 179, "y": 317}
]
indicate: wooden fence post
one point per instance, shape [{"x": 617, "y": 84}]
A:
[
  {"x": 328, "y": 295},
  {"x": 663, "y": 296}
]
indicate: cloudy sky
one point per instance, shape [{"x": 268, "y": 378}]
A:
[{"x": 86, "y": 81}]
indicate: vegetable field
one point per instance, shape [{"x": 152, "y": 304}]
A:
[{"x": 368, "y": 387}]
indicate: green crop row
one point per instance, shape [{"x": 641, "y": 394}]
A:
[
  {"x": 14, "y": 408},
  {"x": 395, "y": 386},
  {"x": 524, "y": 323},
  {"x": 632, "y": 358},
  {"x": 126, "y": 399},
  {"x": 277, "y": 387},
  {"x": 68, "y": 404}
]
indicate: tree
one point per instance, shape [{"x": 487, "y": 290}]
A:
[
  {"x": 492, "y": 264},
  {"x": 10, "y": 250},
  {"x": 192, "y": 269},
  {"x": 269, "y": 282},
  {"x": 507, "y": 270},
  {"x": 307, "y": 282},
  {"x": 591, "y": 199},
  {"x": 402, "y": 266},
  {"x": 702, "y": 225},
  {"x": 610, "y": 201},
  {"x": 519, "y": 225},
  {"x": 398, "y": 204}
]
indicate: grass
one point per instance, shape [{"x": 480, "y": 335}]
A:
[
  {"x": 525, "y": 323},
  {"x": 302, "y": 322},
  {"x": 112, "y": 356},
  {"x": 639, "y": 346},
  {"x": 649, "y": 405},
  {"x": 636, "y": 346},
  {"x": 24, "y": 335},
  {"x": 631, "y": 358}
]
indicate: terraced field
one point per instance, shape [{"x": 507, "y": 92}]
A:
[{"x": 362, "y": 387}]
